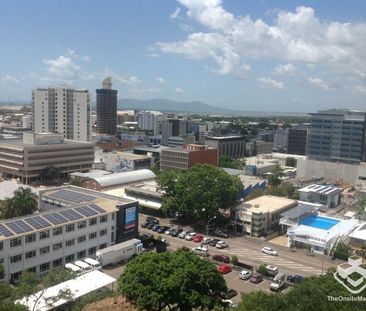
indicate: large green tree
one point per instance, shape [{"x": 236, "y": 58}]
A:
[
  {"x": 50, "y": 173},
  {"x": 23, "y": 202},
  {"x": 202, "y": 192},
  {"x": 342, "y": 251},
  {"x": 155, "y": 281},
  {"x": 226, "y": 161}
]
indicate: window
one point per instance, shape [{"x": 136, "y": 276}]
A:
[
  {"x": 30, "y": 238},
  {"x": 15, "y": 258},
  {"x": 69, "y": 258},
  {"x": 70, "y": 228},
  {"x": 104, "y": 245},
  {"x": 92, "y": 251},
  {"x": 44, "y": 250},
  {"x": 113, "y": 216},
  {"x": 92, "y": 235},
  {"x": 103, "y": 219},
  {"x": 81, "y": 254},
  {"x": 92, "y": 222},
  {"x": 57, "y": 263},
  {"x": 32, "y": 270},
  {"x": 44, "y": 267},
  {"x": 30, "y": 254},
  {"x": 1, "y": 246},
  {"x": 57, "y": 246},
  {"x": 81, "y": 239},
  {"x": 15, "y": 242},
  {"x": 82, "y": 224},
  {"x": 102, "y": 232},
  {"x": 57, "y": 231},
  {"x": 70, "y": 242},
  {"x": 44, "y": 234}
]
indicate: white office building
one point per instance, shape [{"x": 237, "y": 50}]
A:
[
  {"x": 62, "y": 110},
  {"x": 150, "y": 121},
  {"x": 73, "y": 224},
  {"x": 327, "y": 195}
]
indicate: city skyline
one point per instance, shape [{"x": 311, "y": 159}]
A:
[{"x": 293, "y": 56}]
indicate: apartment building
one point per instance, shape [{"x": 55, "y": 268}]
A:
[
  {"x": 73, "y": 224},
  {"x": 231, "y": 146},
  {"x": 62, "y": 110},
  {"x": 184, "y": 158},
  {"x": 297, "y": 138},
  {"x": 26, "y": 158},
  {"x": 150, "y": 121}
]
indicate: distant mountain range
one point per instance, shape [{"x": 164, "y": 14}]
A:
[{"x": 166, "y": 105}]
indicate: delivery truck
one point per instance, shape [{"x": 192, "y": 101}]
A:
[{"x": 119, "y": 252}]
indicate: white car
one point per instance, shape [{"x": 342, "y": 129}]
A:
[
  {"x": 222, "y": 244},
  {"x": 269, "y": 251},
  {"x": 202, "y": 251},
  {"x": 245, "y": 275},
  {"x": 182, "y": 235},
  {"x": 168, "y": 231},
  {"x": 230, "y": 303},
  {"x": 189, "y": 236}
]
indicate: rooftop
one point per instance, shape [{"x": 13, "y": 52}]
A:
[
  {"x": 322, "y": 189},
  {"x": 360, "y": 232},
  {"x": 268, "y": 203},
  {"x": 224, "y": 137}
]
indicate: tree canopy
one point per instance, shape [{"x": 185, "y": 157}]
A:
[
  {"x": 342, "y": 251},
  {"x": 200, "y": 193},
  {"x": 226, "y": 161},
  {"x": 154, "y": 281},
  {"x": 50, "y": 173},
  {"x": 22, "y": 203}
]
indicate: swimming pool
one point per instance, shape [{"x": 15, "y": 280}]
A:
[{"x": 319, "y": 222}]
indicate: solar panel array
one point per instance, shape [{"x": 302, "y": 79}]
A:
[
  {"x": 38, "y": 222},
  {"x": 72, "y": 196}
]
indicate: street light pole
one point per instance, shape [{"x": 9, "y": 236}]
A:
[{"x": 208, "y": 222}]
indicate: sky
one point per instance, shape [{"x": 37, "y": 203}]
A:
[{"x": 290, "y": 56}]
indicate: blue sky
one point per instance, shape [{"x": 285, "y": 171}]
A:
[{"x": 296, "y": 56}]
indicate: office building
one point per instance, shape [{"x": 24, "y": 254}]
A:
[
  {"x": 150, "y": 121},
  {"x": 107, "y": 109},
  {"x": 73, "y": 224},
  {"x": 184, "y": 158},
  {"x": 231, "y": 146},
  {"x": 256, "y": 147},
  {"x": 26, "y": 158},
  {"x": 297, "y": 138},
  {"x": 337, "y": 135},
  {"x": 199, "y": 130},
  {"x": 62, "y": 110},
  {"x": 266, "y": 136},
  {"x": 172, "y": 127},
  {"x": 126, "y": 116},
  {"x": 280, "y": 139},
  {"x": 328, "y": 196},
  {"x": 27, "y": 121},
  {"x": 179, "y": 141}
]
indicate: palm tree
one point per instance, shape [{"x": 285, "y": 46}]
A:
[{"x": 22, "y": 203}]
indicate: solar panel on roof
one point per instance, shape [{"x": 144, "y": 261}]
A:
[
  {"x": 37, "y": 222},
  {"x": 71, "y": 215},
  {"x": 97, "y": 208},
  {"x": 5, "y": 231},
  {"x": 72, "y": 196},
  {"x": 18, "y": 226},
  {"x": 55, "y": 218},
  {"x": 86, "y": 211}
]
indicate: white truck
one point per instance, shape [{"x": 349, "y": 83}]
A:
[
  {"x": 119, "y": 252},
  {"x": 278, "y": 282}
]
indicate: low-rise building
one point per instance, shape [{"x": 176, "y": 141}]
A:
[
  {"x": 358, "y": 236},
  {"x": 73, "y": 224},
  {"x": 327, "y": 195},
  {"x": 261, "y": 216},
  {"x": 259, "y": 147},
  {"x": 26, "y": 158},
  {"x": 184, "y": 158},
  {"x": 231, "y": 146},
  {"x": 260, "y": 165}
]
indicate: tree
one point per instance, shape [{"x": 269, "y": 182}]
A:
[
  {"x": 274, "y": 180},
  {"x": 342, "y": 251},
  {"x": 234, "y": 260},
  {"x": 155, "y": 281},
  {"x": 202, "y": 192},
  {"x": 226, "y": 161},
  {"x": 290, "y": 161},
  {"x": 76, "y": 182},
  {"x": 22, "y": 203},
  {"x": 262, "y": 269},
  {"x": 166, "y": 182},
  {"x": 50, "y": 173}
]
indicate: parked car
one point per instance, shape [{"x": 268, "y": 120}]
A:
[
  {"x": 224, "y": 268},
  {"x": 272, "y": 270},
  {"x": 162, "y": 229},
  {"x": 221, "y": 258},
  {"x": 296, "y": 278},
  {"x": 278, "y": 282},
  {"x": 155, "y": 228},
  {"x": 183, "y": 234},
  {"x": 165, "y": 241},
  {"x": 228, "y": 294},
  {"x": 230, "y": 303},
  {"x": 144, "y": 224},
  {"x": 150, "y": 225},
  {"x": 220, "y": 233},
  {"x": 222, "y": 244},
  {"x": 256, "y": 278},
  {"x": 269, "y": 251},
  {"x": 153, "y": 220},
  {"x": 189, "y": 236},
  {"x": 202, "y": 251},
  {"x": 245, "y": 274},
  {"x": 176, "y": 232},
  {"x": 198, "y": 238},
  {"x": 213, "y": 242},
  {"x": 206, "y": 241},
  {"x": 169, "y": 231}
]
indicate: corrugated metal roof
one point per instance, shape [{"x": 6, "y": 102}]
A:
[{"x": 124, "y": 178}]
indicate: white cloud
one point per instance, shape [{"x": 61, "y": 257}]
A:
[
  {"x": 7, "y": 79},
  {"x": 179, "y": 90},
  {"x": 268, "y": 82},
  {"x": 287, "y": 69},
  {"x": 320, "y": 84},
  {"x": 161, "y": 80},
  {"x": 73, "y": 54},
  {"x": 175, "y": 14},
  {"x": 298, "y": 37},
  {"x": 361, "y": 89},
  {"x": 62, "y": 67},
  {"x": 185, "y": 27}
]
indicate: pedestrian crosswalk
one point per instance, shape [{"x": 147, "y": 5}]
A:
[{"x": 259, "y": 257}]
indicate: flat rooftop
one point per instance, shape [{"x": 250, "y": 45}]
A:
[
  {"x": 18, "y": 143},
  {"x": 130, "y": 156},
  {"x": 268, "y": 203},
  {"x": 322, "y": 189}
]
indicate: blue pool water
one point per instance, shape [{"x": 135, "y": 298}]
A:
[{"x": 319, "y": 222}]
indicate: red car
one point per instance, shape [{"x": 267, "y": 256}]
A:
[
  {"x": 223, "y": 268},
  {"x": 198, "y": 238},
  {"x": 221, "y": 258}
]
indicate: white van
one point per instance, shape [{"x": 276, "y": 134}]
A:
[
  {"x": 278, "y": 282},
  {"x": 94, "y": 263},
  {"x": 83, "y": 265},
  {"x": 74, "y": 269},
  {"x": 202, "y": 251}
]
